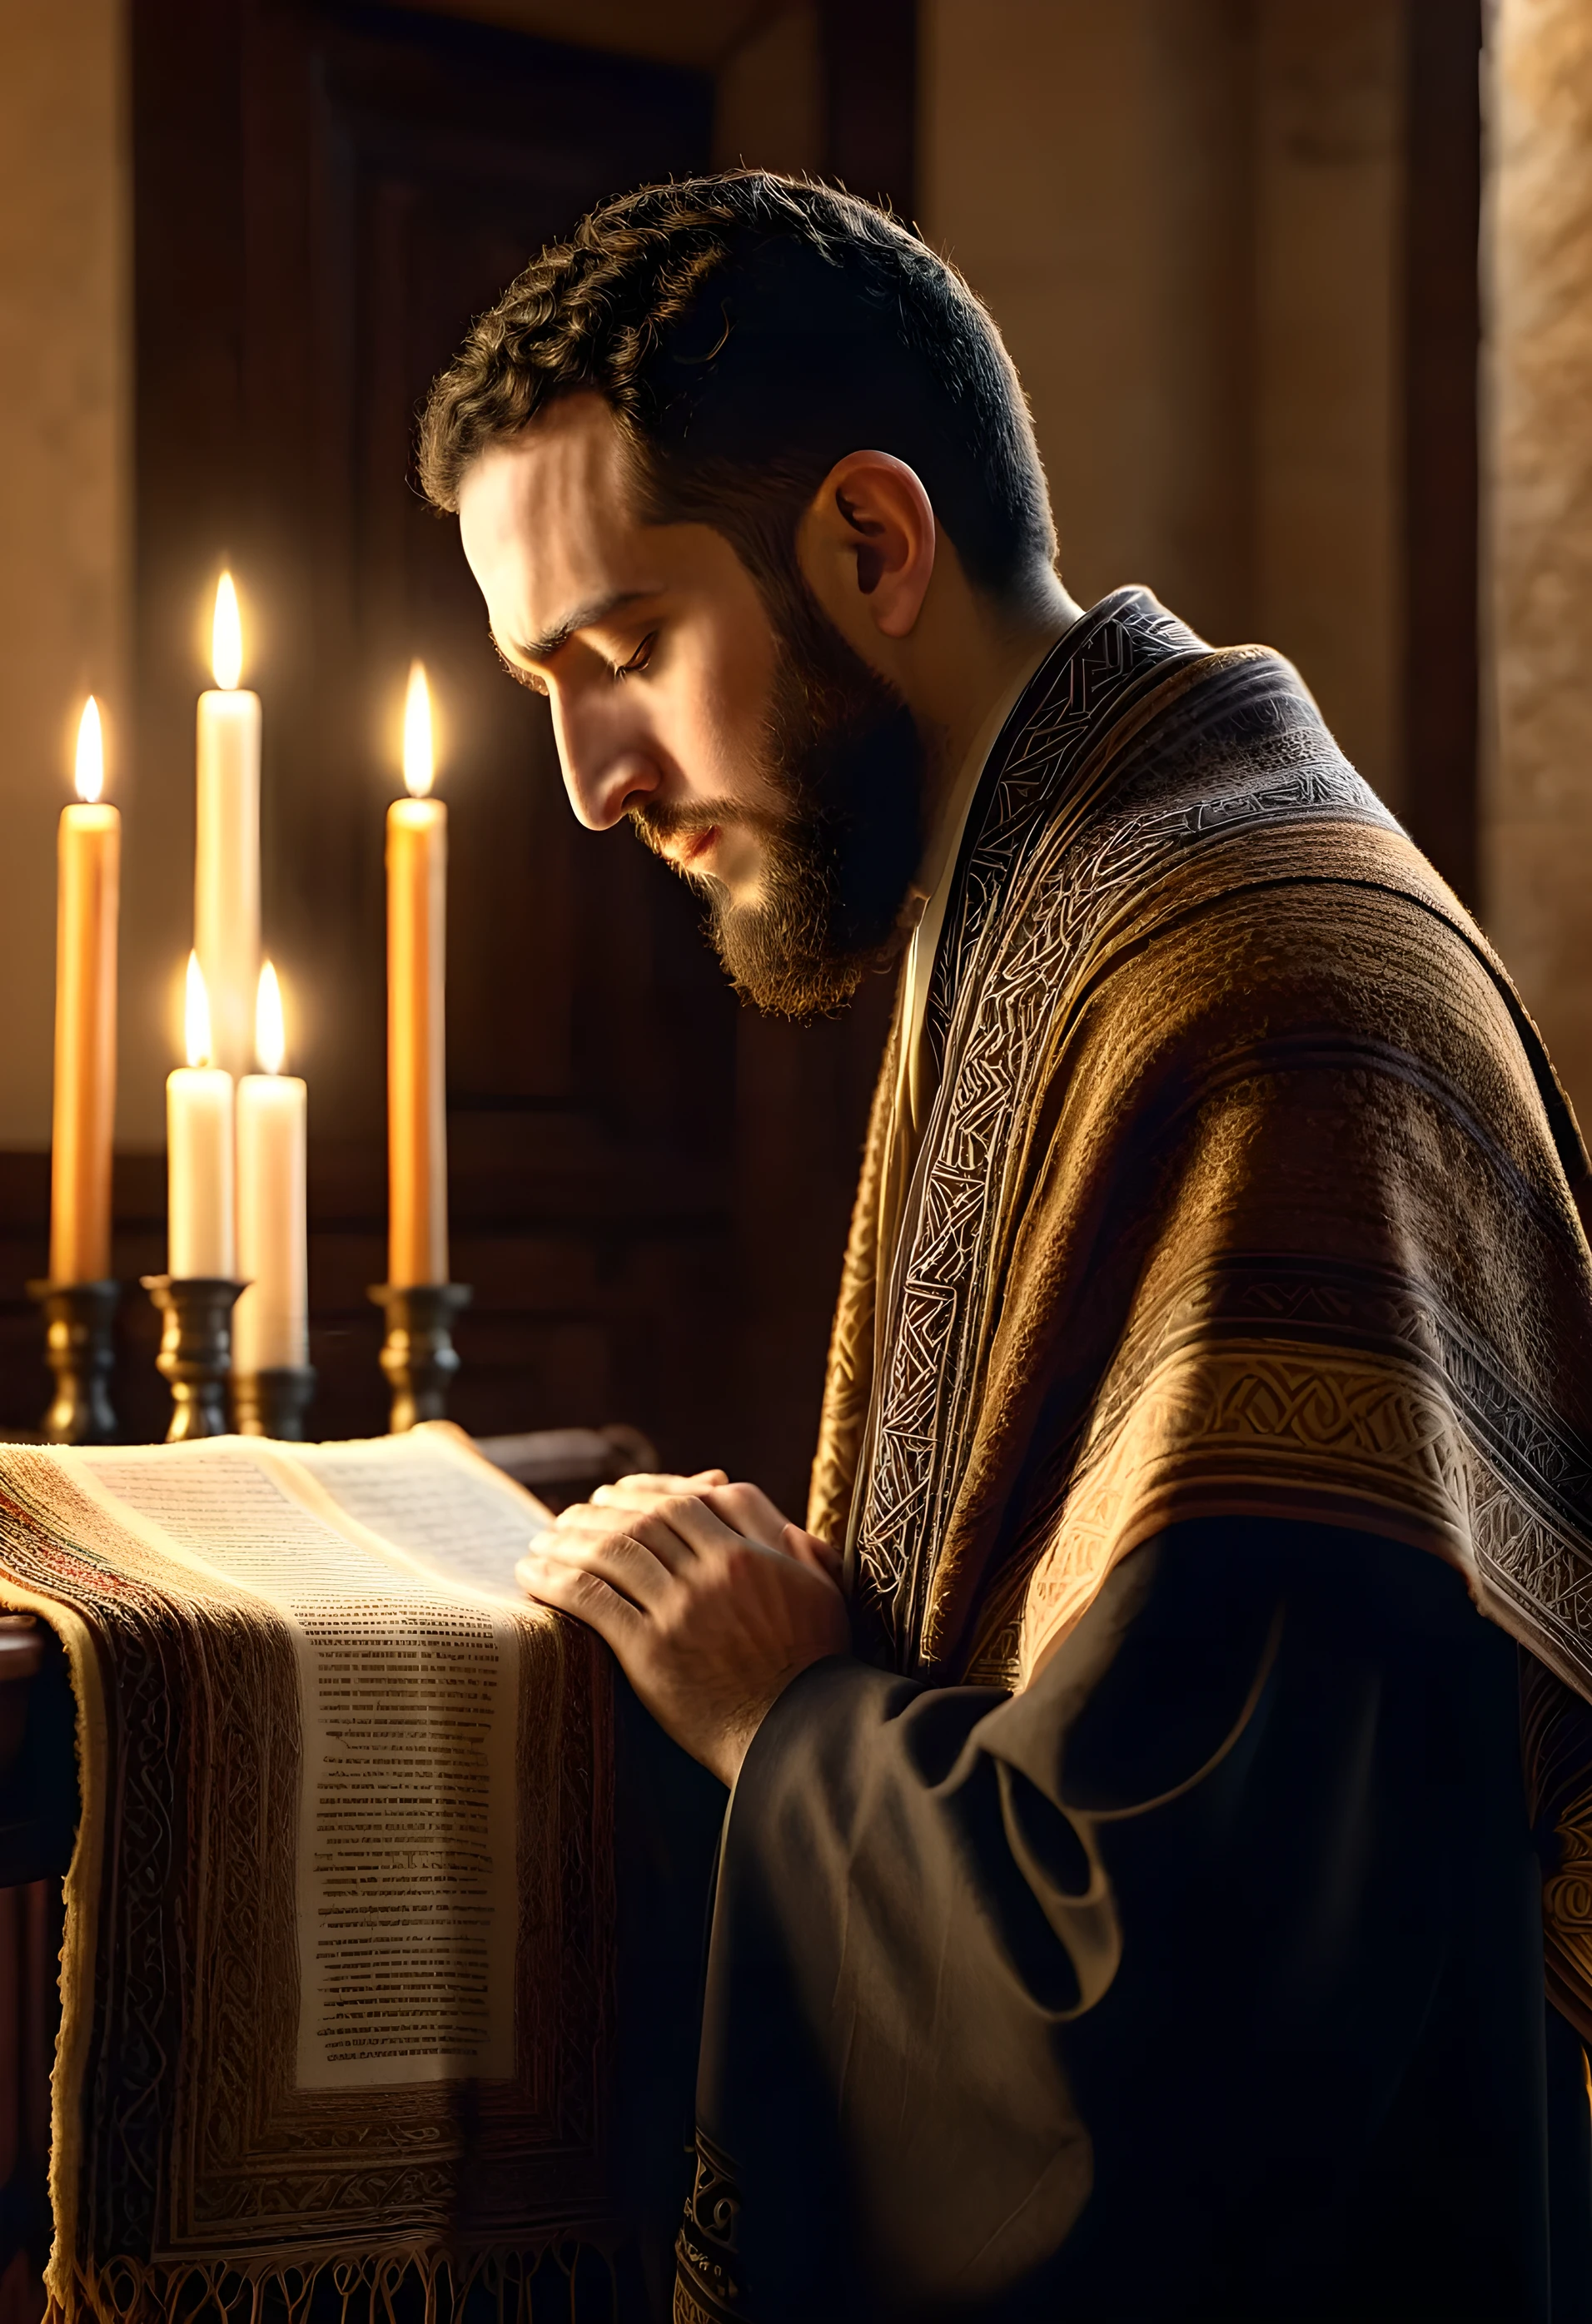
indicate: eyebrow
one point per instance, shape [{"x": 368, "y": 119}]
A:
[{"x": 584, "y": 617}]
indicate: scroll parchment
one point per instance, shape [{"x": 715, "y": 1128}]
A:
[{"x": 406, "y": 1886}]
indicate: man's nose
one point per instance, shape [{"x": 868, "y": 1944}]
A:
[{"x": 605, "y": 773}]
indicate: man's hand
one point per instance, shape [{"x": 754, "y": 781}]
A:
[{"x": 711, "y": 1599}]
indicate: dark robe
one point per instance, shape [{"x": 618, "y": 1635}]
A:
[
  {"x": 1320, "y": 2082},
  {"x": 1150, "y": 1920}
]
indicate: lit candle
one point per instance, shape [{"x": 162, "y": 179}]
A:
[
  {"x": 417, "y": 897},
  {"x": 88, "y": 857},
  {"x": 227, "y": 841},
  {"x": 271, "y": 1326},
  {"x": 199, "y": 1152}
]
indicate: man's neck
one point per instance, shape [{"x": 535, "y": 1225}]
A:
[
  {"x": 975, "y": 659},
  {"x": 1004, "y": 653}
]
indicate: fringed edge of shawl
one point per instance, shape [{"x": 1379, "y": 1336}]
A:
[{"x": 418, "y": 2283}]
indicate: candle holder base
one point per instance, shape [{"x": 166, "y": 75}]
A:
[
  {"x": 196, "y": 1350},
  {"x": 272, "y": 1402},
  {"x": 418, "y": 1354},
  {"x": 77, "y": 1349}
]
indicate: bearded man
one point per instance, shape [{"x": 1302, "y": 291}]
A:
[{"x": 1130, "y": 1898}]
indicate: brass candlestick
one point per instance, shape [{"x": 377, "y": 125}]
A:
[
  {"x": 418, "y": 1354},
  {"x": 272, "y": 1402},
  {"x": 196, "y": 1350},
  {"x": 78, "y": 1350}
]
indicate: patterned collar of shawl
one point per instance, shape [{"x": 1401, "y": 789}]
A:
[{"x": 1246, "y": 1188}]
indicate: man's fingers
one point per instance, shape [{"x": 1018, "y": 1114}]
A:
[
  {"x": 814, "y": 1551},
  {"x": 633, "y": 1497},
  {"x": 745, "y": 1508},
  {"x": 639, "y": 1568},
  {"x": 625, "y": 1526},
  {"x": 674, "y": 1525},
  {"x": 649, "y": 1487},
  {"x": 748, "y": 1510},
  {"x": 650, "y": 1526},
  {"x": 577, "y": 1590}
]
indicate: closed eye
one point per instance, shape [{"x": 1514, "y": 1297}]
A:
[
  {"x": 639, "y": 659},
  {"x": 520, "y": 676}
]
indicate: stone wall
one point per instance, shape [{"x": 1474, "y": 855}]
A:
[
  {"x": 1184, "y": 214},
  {"x": 1087, "y": 168},
  {"x": 65, "y": 425},
  {"x": 1328, "y": 377},
  {"x": 1538, "y": 386},
  {"x": 769, "y": 108}
]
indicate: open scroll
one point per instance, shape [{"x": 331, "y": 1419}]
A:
[{"x": 339, "y": 1920}]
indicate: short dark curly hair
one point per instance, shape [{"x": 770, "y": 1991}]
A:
[{"x": 750, "y": 330}]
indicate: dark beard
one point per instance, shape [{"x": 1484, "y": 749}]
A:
[{"x": 843, "y": 753}]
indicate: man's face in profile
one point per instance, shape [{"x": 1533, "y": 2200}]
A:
[{"x": 762, "y": 758}]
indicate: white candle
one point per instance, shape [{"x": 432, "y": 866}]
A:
[
  {"x": 417, "y": 947},
  {"x": 271, "y": 1326},
  {"x": 199, "y": 1237},
  {"x": 226, "y": 842},
  {"x": 89, "y": 855}
]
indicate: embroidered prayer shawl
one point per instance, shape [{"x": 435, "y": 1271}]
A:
[
  {"x": 1247, "y": 1189},
  {"x": 188, "y": 2174}
]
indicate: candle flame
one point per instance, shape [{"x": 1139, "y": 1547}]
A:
[
  {"x": 227, "y": 636},
  {"x": 197, "y": 1014},
  {"x": 270, "y": 1038},
  {"x": 419, "y": 756},
  {"x": 90, "y": 769}
]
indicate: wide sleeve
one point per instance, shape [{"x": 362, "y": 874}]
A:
[{"x": 968, "y": 1947}]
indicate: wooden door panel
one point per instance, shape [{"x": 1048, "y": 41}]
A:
[{"x": 370, "y": 180}]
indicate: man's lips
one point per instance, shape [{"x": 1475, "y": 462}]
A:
[{"x": 694, "y": 848}]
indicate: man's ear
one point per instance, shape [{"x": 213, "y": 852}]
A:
[{"x": 866, "y": 546}]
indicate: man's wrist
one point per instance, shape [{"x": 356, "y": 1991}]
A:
[{"x": 741, "y": 1731}]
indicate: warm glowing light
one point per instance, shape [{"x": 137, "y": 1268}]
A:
[
  {"x": 419, "y": 756},
  {"x": 197, "y": 1015},
  {"x": 91, "y": 773},
  {"x": 270, "y": 1040},
  {"x": 226, "y": 637}
]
